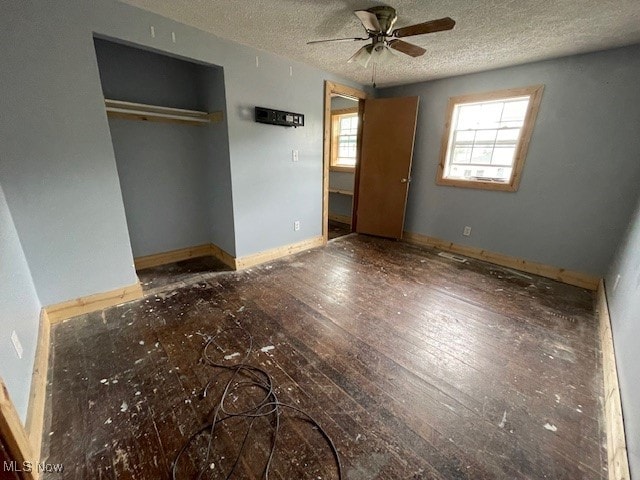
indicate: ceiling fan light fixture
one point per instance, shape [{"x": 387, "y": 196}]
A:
[
  {"x": 363, "y": 56},
  {"x": 381, "y": 53},
  {"x": 378, "y": 53}
]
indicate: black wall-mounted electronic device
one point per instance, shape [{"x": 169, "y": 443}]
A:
[{"x": 278, "y": 117}]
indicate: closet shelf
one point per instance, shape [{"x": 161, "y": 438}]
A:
[
  {"x": 341, "y": 192},
  {"x": 155, "y": 113}
]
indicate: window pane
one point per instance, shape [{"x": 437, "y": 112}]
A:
[
  {"x": 347, "y": 140},
  {"x": 505, "y": 173},
  {"x": 486, "y": 136},
  {"x": 468, "y": 116},
  {"x": 491, "y": 113},
  {"x": 508, "y": 135},
  {"x": 349, "y": 125},
  {"x": 464, "y": 136},
  {"x": 503, "y": 156},
  {"x": 515, "y": 111},
  {"x": 481, "y": 155},
  {"x": 346, "y": 152},
  {"x": 461, "y": 155}
]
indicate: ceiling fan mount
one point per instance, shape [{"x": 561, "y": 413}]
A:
[
  {"x": 386, "y": 16},
  {"x": 378, "y": 23}
]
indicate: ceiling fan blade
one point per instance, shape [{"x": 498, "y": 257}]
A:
[
  {"x": 407, "y": 48},
  {"x": 355, "y": 39},
  {"x": 439, "y": 25},
  {"x": 369, "y": 21}
]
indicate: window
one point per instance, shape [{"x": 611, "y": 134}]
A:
[
  {"x": 344, "y": 139},
  {"x": 486, "y": 138}
]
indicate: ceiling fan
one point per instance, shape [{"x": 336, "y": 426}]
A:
[{"x": 378, "y": 23}]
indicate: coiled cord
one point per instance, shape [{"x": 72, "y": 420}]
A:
[{"x": 244, "y": 375}]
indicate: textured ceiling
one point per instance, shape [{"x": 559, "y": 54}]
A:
[{"x": 488, "y": 34}]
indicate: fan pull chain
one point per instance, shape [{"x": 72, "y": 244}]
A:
[{"x": 373, "y": 75}]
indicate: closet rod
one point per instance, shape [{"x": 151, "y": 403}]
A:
[{"x": 141, "y": 111}]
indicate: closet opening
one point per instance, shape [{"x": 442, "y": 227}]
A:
[{"x": 168, "y": 127}]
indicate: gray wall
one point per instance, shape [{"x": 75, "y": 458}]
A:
[
  {"x": 163, "y": 173},
  {"x": 338, "y": 203},
  {"x": 624, "y": 308},
  {"x": 58, "y": 165},
  {"x": 137, "y": 75},
  {"x": 218, "y": 175},
  {"x": 270, "y": 191},
  {"x": 19, "y": 311},
  {"x": 581, "y": 175},
  {"x": 339, "y": 103},
  {"x": 163, "y": 168},
  {"x": 58, "y": 169}
]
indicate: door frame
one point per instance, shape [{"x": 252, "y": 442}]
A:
[
  {"x": 14, "y": 437},
  {"x": 332, "y": 88}
]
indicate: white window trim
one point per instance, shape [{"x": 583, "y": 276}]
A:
[{"x": 535, "y": 96}]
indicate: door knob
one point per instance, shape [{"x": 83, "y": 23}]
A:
[{"x": 403, "y": 180}]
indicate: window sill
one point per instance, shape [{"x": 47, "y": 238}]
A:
[
  {"x": 479, "y": 184},
  {"x": 342, "y": 168}
]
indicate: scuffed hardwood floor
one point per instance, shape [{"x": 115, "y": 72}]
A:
[
  {"x": 338, "y": 229},
  {"x": 417, "y": 366}
]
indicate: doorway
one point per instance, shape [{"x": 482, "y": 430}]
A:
[
  {"x": 342, "y": 144},
  {"x": 379, "y": 170}
]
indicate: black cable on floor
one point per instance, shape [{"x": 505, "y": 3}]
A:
[{"x": 244, "y": 375}]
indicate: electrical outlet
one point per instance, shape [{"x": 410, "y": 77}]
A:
[
  {"x": 153, "y": 31},
  {"x": 467, "y": 231},
  {"x": 296, "y": 225},
  {"x": 294, "y": 155},
  {"x": 16, "y": 344},
  {"x": 616, "y": 282}
]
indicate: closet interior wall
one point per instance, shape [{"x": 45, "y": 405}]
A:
[{"x": 219, "y": 208}]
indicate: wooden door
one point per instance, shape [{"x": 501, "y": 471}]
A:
[{"x": 388, "y": 133}]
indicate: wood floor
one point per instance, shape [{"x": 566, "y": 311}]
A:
[
  {"x": 338, "y": 229},
  {"x": 178, "y": 275},
  {"x": 417, "y": 367}
]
